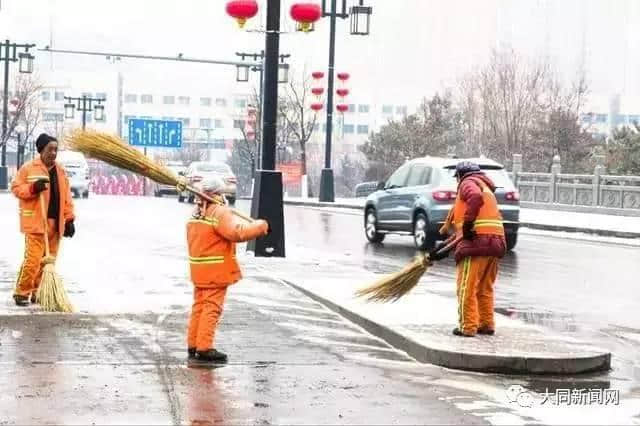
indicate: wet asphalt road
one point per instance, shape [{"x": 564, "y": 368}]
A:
[
  {"x": 579, "y": 286},
  {"x": 121, "y": 359}
]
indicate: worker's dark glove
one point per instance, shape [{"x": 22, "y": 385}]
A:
[
  {"x": 69, "y": 229},
  {"x": 467, "y": 231},
  {"x": 434, "y": 255},
  {"x": 39, "y": 186}
]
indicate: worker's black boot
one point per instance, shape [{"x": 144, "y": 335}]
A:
[
  {"x": 211, "y": 356},
  {"x": 487, "y": 331},
  {"x": 34, "y": 298},
  {"x": 458, "y": 332},
  {"x": 191, "y": 353},
  {"x": 21, "y": 300}
]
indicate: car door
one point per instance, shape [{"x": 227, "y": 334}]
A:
[
  {"x": 387, "y": 202},
  {"x": 418, "y": 178}
]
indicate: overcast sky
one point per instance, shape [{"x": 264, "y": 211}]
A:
[{"x": 415, "y": 46}]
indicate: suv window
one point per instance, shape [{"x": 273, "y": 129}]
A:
[
  {"x": 419, "y": 175},
  {"x": 499, "y": 177},
  {"x": 399, "y": 178}
]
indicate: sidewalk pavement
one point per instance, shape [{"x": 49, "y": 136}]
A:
[
  {"x": 421, "y": 325},
  {"x": 548, "y": 220}
]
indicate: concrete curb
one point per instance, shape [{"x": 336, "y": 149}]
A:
[
  {"x": 467, "y": 361},
  {"x": 531, "y": 225}
]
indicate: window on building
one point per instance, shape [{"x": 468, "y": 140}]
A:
[
  {"x": 169, "y": 118},
  {"x": 205, "y": 123},
  {"x": 221, "y": 102},
  {"x": 620, "y": 119},
  {"x": 238, "y": 124},
  {"x": 186, "y": 122},
  {"x": 387, "y": 109},
  {"x": 184, "y": 100},
  {"x": 146, "y": 99},
  {"x": 352, "y": 108},
  {"x": 363, "y": 109},
  {"x": 46, "y": 95},
  {"x": 363, "y": 129},
  {"x": 59, "y": 96},
  {"x": 402, "y": 110},
  {"x": 316, "y": 127},
  {"x": 130, "y": 98},
  {"x": 634, "y": 119},
  {"x": 101, "y": 95},
  {"x": 219, "y": 124},
  {"x": 168, "y": 100},
  {"x": 240, "y": 103},
  {"x": 87, "y": 94},
  {"x": 601, "y": 118},
  {"x": 348, "y": 129},
  {"x": 89, "y": 117},
  {"x": 205, "y": 102}
]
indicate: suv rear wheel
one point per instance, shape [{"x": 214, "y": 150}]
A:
[
  {"x": 371, "y": 227},
  {"x": 422, "y": 238}
]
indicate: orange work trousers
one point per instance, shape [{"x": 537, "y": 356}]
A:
[
  {"x": 476, "y": 276},
  {"x": 205, "y": 314},
  {"x": 30, "y": 272}
]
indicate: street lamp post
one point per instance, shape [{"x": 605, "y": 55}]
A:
[
  {"x": 9, "y": 53},
  {"x": 360, "y": 23},
  {"x": 84, "y": 104},
  {"x": 267, "y": 199}
]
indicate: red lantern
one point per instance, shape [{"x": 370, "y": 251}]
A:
[
  {"x": 317, "y": 75},
  {"x": 316, "y": 106},
  {"x": 305, "y": 14},
  {"x": 317, "y": 91},
  {"x": 342, "y": 108},
  {"x": 343, "y": 76},
  {"x": 242, "y": 10},
  {"x": 342, "y": 92}
]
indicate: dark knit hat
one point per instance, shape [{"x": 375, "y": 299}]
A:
[{"x": 43, "y": 140}]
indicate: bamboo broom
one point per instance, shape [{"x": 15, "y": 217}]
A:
[
  {"x": 394, "y": 286},
  {"x": 51, "y": 294},
  {"x": 114, "y": 151}
]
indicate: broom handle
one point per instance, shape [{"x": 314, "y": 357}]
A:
[
  {"x": 209, "y": 199},
  {"x": 46, "y": 225},
  {"x": 450, "y": 242}
]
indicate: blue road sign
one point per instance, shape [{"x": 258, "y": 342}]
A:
[{"x": 155, "y": 133}]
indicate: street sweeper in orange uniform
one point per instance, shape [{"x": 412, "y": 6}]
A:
[
  {"x": 475, "y": 216},
  {"x": 212, "y": 234}
]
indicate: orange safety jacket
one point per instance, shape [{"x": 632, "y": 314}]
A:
[
  {"x": 31, "y": 220},
  {"x": 212, "y": 242},
  {"x": 488, "y": 221}
]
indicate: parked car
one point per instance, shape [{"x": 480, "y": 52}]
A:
[
  {"x": 417, "y": 197},
  {"x": 77, "y": 170},
  {"x": 159, "y": 190},
  {"x": 199, "y": 170}
]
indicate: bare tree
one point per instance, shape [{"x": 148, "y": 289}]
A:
[
  {"x": 26, "y": 102},
  {"x": 298, "y": 122}
]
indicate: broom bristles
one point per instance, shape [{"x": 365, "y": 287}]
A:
[
  {"x": 51, "y": 294},
  {"x": 114, "y": 151},
  {"x": 394, "y": 286}
]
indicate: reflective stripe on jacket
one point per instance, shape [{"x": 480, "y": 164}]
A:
[
  {"x": 488, "y": 220},
  {"x": 212, "y": 242},
  {"x": 31, "y": 220}
]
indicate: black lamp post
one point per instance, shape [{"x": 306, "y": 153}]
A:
[
  {"x": 84, "y": 104},
  {"x": 9, "y": 53},
  {"x": 267, "y": 199},
  {"x": 360, "y": 25}
]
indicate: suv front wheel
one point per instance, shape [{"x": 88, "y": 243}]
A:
[
  {"x": 371, "y": 227},
  {"x": 422, "y": 238}
]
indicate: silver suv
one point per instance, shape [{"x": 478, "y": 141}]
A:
[{"x": 417, "y": 197}]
